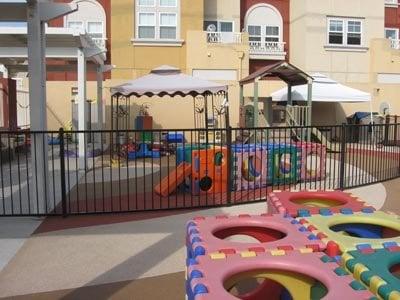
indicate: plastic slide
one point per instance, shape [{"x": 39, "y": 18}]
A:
[{"x": 176, "y": 177}]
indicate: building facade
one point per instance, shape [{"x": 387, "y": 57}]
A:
[
  {"x": 354, "y": 42},
  {"x": 345, "y": 40}
]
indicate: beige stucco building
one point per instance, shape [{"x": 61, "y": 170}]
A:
[
  {"x": 194, "y": 51},
  {"x": 344, "y": 40},
  {"x": 358, "y": 60}
]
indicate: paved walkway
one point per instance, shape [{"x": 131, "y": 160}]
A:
[{"x": 128, "y": 256}]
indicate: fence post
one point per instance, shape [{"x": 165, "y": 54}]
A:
[
  {"x": 62, "y": 170},
  {"x": 342, "y": 157},
  {"x": 229, "y": 163}
]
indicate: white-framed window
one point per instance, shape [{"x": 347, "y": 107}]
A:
[
  {"x": 391, "y": 2},
  {"x": 146, "y": 3},
  {"x": 392, "y": 33},
  {"x": 157, "y": 20},
  {"x": 354, "y": 33},
  {"x": 147, "y": 25},
  {"x": 264, "y": 24},
  {"x": 168, "y": 26},
  {"x": 258, "y": 33},
  {"x": 218, "y": 26},
  {"x": 254, "y": 33},
  {"x": 345, "y": 31},
  {"x": 76, "y": 25},
  {"x": 95, "y": 29},
  {"x": 168, "y": 3},
  {"x": 272, "y": 34}
]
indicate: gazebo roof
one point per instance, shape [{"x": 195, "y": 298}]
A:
[
  {"x": 167, "y": 80},
  {"x": 283, "y": 70}
]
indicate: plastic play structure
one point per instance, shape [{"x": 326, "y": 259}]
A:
[
  {"x": 307, "y": 203},
  {"x": 316, "y": 245},
  {"x": 253, "y": 166},
  {"x": 206, "y": 171}
]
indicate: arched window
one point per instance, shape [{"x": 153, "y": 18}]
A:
[
  {"x": 264, "y": 23},
  {"x": 90, "y": 17}
]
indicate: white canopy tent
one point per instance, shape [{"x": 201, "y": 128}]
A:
[
  {"x": 324, "y": 89},
  {"x": 170, "y": 81},
  {"x": 167, "y": 80}
]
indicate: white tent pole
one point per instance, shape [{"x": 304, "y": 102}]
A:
[
  {"x": 100, "y": 121},
  {"x": 39, "y": 193},
  {"x": 81, "y": 107}
]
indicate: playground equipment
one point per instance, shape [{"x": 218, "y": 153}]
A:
[
  {"x": 249, "y": 167},
  {"x": 207, "y": 235},
  {"x": 256, "y": 165},
  {"x": 355, "y": 230},
  {"x": 285, "y": 163},
  {"x": 253, "y": 165},
  {"x": 303, "y": 275},
  {"x": 170, "y": 183},
  {"x": 376, "y": 269},
  {"x": 210, "y": 170},
  {"x": 313, "y": 161},
  {"x": 296, "y": 258},
  {"x": 307, "y": 203},
  {"x": 144, "y": 152}
]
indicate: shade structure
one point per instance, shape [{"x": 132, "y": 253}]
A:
[
  {"x": 324, "y": 89},
  {"x": 167, "y": 80}
]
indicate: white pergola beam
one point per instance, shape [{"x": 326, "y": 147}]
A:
[
  {"x": 53, "y": 52},
  {"x": 82, "y": 141},
  {"x": 55, "y": 68}
]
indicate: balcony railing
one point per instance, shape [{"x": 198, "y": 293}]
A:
[
  {"x": 263, "y": 49},
  {"x": 395, "y": 44},
  {"x": 391, "y": 2},
  {"x": 224, "y": 37}
]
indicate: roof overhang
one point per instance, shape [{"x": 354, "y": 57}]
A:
[{"x": 285, "y": 71}]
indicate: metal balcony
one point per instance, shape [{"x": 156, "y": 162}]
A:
[
  {"x": 267, "y": 50},
  {"x": 224, "y": 37}
]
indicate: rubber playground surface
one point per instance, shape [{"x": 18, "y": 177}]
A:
[{"x": 119, "y": 256}]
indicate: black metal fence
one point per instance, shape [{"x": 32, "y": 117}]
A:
[{"x": 61, "y": 173}]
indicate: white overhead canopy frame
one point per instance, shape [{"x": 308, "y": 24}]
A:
[{"x": 37, "y": 13}]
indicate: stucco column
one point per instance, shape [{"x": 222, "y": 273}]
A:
[
  {"x": 39, "y": 185},
  {"x": 82, "y": 141}
]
